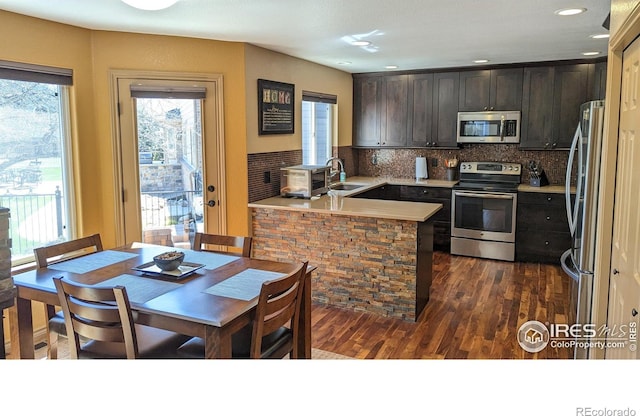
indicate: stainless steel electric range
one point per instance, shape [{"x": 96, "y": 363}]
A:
[{"x": 483, "y": 214}]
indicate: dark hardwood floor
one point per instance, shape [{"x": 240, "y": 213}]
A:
[{"x": 475, "y": 309}]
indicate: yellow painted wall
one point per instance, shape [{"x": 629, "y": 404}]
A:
[
  {"x": 265, "y": 64},
  {"x": 117, "y": 50},
  {"x": 92, "y": 54},
  {"x": 620, "y": 10}
]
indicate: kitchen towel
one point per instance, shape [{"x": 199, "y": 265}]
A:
[{"x": 421, "y": 168}]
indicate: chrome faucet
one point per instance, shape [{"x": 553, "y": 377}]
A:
[{"x": 333, "y": 172}]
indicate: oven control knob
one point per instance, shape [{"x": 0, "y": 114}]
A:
[{"x": 510, "y": 167}]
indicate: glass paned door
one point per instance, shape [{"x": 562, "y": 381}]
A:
[
  {"x": 170, "y": 169},
  {"x": 169, "y": 161}
]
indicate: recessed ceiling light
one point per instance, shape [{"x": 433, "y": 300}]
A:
[
  {"x": 361, "y": 43},
  {"x": 344, "y": 63},
  {"x": 590, "y": 53},
  {"x": 391, "y": 67},
  {"x": 480, "y": 61},
  {"x": 569, "y": 12},
  {"x": 150, "y": 4},
  {"x": 601, "y": 36}
]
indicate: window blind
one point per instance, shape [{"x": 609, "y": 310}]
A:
[
  {"x": 319, "y": 97},
  {"x": 18, "y": 71},
  {"x": 151, "y": 91}
]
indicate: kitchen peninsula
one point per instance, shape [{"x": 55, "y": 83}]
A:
[{"x": 371, "y": 255}]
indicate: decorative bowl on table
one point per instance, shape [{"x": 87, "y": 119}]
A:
[{"x": 169, "y": 261}]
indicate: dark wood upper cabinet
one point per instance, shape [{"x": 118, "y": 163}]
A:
[
  {"x": 368, "y": 105},
  {"x": 598, "y": 81},
  {"x": 537, "y": 108},
  {"x": 446, "y": 89},
  {"x": 474, "y": 90},
  {"x": 420, "y": 109},
  {"x": 394, "y": 121},
  {"x": 491, "y": 90},
  {"x": 506, "y": 89},
  {"x": 421, "y": 113},
  {"x": 552, "y": 96},
  {"x": 570, "y": 91}
]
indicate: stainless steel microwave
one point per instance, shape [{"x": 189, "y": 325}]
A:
[
  {"x": 489, "y": 127},
  {"x": 304, "y": 181}
]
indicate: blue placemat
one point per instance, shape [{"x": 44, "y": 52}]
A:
[
  {"x": 244, "y": 285},
  {"x": 91, "y": 262},
  {"x": 210, "y": 260},
  {"x": 140, "y": 289}
]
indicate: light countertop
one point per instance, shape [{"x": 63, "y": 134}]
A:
[
  {"x": 377, "y": 181},
  {"x": 548, "y": 189},
  {"x": 358, "y": 207},
  {"x": 339, "y": 203}
]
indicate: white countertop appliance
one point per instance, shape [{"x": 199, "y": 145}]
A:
[{"x": 304, "y": 181}]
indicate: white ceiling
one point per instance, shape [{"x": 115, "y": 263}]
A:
[{"x": 413, "y": 34}]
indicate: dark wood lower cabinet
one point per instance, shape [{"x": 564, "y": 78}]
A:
[
  {"x": 542, "y": 229},
  {"x": 442, "y": 219},
  {"x": 434, "y": 195}
]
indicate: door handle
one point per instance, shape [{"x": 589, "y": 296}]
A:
[{"x": 211, "y": 203}]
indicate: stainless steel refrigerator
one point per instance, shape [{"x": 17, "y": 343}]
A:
[{"x": 578, "y": 261}]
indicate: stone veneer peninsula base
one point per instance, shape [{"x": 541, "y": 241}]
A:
[{"x": 377, "y": 265}]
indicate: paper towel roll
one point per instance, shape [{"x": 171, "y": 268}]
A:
[{"x": 421, "y": 168}]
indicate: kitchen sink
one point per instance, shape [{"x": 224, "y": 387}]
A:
[{"x": 345, "y": 186}]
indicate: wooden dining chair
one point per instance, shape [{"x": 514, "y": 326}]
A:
[
  {"x": 52, "y": 254},
  {"x": 102, "y": 316},
  {"x": 273, "y": 332},
  {"x": 237, "y": 244}
]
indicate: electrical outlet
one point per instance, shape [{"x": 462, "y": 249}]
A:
[
  {"x": 266, "y": 177},
  {"x": 434, "y": 162}
]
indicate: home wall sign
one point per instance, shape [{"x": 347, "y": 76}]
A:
[{"x": 275, "y": 107}]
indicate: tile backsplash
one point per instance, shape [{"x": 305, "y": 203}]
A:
[
  {"x": 264, "y": 168},
  {"x": 400, "y": 163}
]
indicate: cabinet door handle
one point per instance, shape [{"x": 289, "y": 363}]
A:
[
  {"x": 634, "y": 312},
  {"x": 616, "y": 271},
  {"x": 546, "y": 243},
  {"x": 548, "y": 218},
  {"x": 549, "y": 198}
]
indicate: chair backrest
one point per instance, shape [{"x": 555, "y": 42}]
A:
[
  {"x": 160, "y": 236},
  {"x": 80, "y": 246},
  {"x": 241, "y": 244},
  {"x": 97, "y": 313},
  {"x": 278, "y": 305}
]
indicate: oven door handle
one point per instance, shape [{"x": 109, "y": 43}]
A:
[{"x": 487, "y": 195}]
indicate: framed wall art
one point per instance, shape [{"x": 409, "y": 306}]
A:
[{"x": 275, "y": 107}]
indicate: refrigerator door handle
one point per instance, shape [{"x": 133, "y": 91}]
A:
[{"x": 571, "y": 216}]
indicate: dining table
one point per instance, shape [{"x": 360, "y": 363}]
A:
[{"x": 212, "y": 294}]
